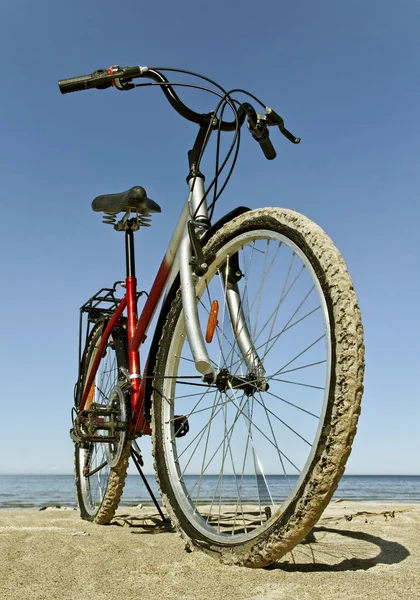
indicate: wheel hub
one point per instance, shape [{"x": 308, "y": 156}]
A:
[{"x": 248, "y": 384}]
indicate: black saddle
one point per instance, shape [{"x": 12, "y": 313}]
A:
[{"x": 133, "y": 200}]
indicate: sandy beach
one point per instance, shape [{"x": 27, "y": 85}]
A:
[{"x": 360, "y": 550}]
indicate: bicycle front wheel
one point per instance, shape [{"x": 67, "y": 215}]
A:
[
  {"x": 100, "y": 466},
  {"x": 247, "y": 464}
]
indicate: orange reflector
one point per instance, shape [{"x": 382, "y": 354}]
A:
[
  {"x": 212, "y": 323},
  {"x": 89, "y": 398}
]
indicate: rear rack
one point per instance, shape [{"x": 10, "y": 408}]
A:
[
  {"x": 99, "y": 307},
  {"x": 102, "y": 304}
]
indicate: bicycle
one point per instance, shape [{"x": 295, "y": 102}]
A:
[{"x": 252, "y": 386}]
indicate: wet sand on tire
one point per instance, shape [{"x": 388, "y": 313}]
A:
[{"x": 359, "y": 550}]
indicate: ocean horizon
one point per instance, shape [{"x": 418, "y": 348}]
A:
[{"x": 37, "y": 491}]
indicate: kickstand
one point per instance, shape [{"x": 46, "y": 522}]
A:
[{"x": 138, "y": 461}]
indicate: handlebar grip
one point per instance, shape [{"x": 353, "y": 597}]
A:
[
  {"x": 266, "y": 146},
  {"x": 100, "y": 79},
  {"x": 73, "y": 84}
]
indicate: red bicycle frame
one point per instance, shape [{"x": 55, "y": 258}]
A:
[{"x": 136, "y": 327}]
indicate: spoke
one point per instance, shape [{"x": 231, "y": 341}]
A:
[
  {"x": 95, "y": 485},
  {"x": 202, "y": 410},
  {"x": 218, "y": 447},
  {"x": 222, "y": 467},
  {"x": 97, "y": 469},
  {"x": 190, "y": 360},
  {"x": 319, "y": 362},
  {"x": 238, "y": 495},
  {"x": 257, "y": 297},
  {"x": 233, "y": 349},
  {"x": 298, "y": 355},
  {"x": 190, "y": 395},
  {"x": 171, "y": 404},
  {"x": 286, "y": 327},
  {"x": 288, "y": 427},
  {"x": 242, "y": 479},
  {"x": 193, "y": 411},
  {"x": 204, "y": 460},
  {"x": 204, "y": 469},
  {"x": 290, "y": 404},
  {"x": 100, "y": 392},
  {"x": 201, "y": 434},
  {"x": 228, "y": 433},
  {"x": 228, "y": 437},
  {"x": 192, "y": 383},
  {"x": 259, "y": 473},
  {"x": 268, "y": 439},
  {"x": 283, "y": 296},
  {"x": 234, "y": 353},
  {"x": 184, "y": 358},
  {"x": 262, "y": 403},
  {"x": 263, "y": 280},
  {"x": 316, "y": 387},
  {"x": 101, "y": 496},
  {"x": 276, "y": 337},
  {"x": 252, "y": 248}
]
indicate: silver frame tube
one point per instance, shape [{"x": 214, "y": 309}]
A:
[
  {"x": 178, "y": 258},
  {"x": 198, "y": 210},
  {"x": 241, "y": 332}
]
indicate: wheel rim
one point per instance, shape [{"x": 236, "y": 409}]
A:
[
  {"x": 246, "y": 455},
  {"x": 98, "y": 456}
]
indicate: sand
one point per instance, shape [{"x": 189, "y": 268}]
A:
[{"x": 361, "y": 550}]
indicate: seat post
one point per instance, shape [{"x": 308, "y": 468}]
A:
[
  {"x": 129, "y": 253},
  {"x": 131, "y": 294}
]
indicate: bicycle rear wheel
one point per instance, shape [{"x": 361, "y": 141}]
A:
[
  {"x": 247, "y": 465},
  {"x": 101, "y": 467}
]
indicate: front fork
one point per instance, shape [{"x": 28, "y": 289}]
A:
[{"x": 198, "y": 209}]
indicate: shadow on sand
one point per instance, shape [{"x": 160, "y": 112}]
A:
[
  {"x": 151, "y": 524},
  {"x": 341, "y": 550},
  {"x": 325, "y": 549}
]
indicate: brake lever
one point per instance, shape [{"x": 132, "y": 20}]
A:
[
  {"x": 258, "y": 126},
  {"x": 274, "y": 119}
]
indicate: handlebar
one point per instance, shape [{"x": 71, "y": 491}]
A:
[{"x": 121, "y": 78}]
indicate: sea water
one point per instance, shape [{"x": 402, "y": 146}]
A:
[{"x": 36, "y": 491}]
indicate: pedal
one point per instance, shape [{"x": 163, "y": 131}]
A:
[
  {"x": 101, "y": 423},
  {"x": 181, "y": 425}
]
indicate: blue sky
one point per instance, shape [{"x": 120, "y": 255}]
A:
[{"x": 344, "y": 75}]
